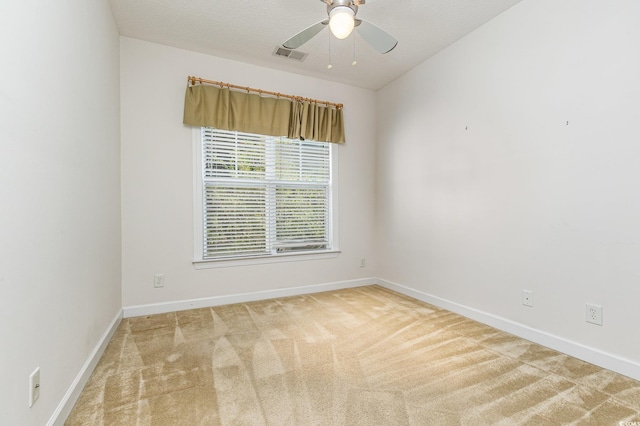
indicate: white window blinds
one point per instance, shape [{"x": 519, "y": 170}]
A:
[{"x": 264, "y": 195}]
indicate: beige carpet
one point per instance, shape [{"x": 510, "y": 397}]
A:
[{"x": 364, "y": 356}]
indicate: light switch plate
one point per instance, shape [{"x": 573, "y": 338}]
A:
[{"x": 34, "y": 386}]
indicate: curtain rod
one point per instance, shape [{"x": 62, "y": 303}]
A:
[{"x": 193, "y": 81}]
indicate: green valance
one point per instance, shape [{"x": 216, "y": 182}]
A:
[
  {"x": 316, "y": 122},
  {"x": 226, "y": 109}
]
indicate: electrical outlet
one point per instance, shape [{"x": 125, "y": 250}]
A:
[
  {"x": 363, "y": 262},
  {"x": 527, "y": 298},
  {"x": 34, "y": 386},
  {"x": 158, "y": 280},
  {"x": 594, "y": 314}
]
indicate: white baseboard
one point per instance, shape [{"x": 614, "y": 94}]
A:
[
  {"x": 65, "y": 406},
  {"x": 594, "y": 356},
  {"x": 161, "y": 308}
]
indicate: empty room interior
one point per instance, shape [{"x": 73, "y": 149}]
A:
[{"x": 474, "y": 171}]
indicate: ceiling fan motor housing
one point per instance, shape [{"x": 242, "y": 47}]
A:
[{"x": 351, "y": 4}]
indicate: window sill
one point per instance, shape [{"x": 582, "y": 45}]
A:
[{"x": 261, "y": 260}]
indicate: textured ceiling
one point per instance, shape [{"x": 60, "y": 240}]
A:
[{"x": 249, "y": 31}]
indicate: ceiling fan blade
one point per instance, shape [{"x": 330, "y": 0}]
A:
[
  {"x": 378, "y": 38},
  {"x": 305, "y": 35}
]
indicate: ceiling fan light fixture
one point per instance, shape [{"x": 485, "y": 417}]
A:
[{"x": 341, "y": 21}]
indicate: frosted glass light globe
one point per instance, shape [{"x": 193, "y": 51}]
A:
[{"x": 341, "y": 22}]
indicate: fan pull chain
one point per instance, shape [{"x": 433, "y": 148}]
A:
[
  {"x": 329, "y": 66},
  {"x": 354, "y": 63}
]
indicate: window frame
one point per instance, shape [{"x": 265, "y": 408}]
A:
[{"x": 200, "y": 262}]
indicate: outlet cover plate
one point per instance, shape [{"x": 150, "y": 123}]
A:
[
  {"x": 527, "y": 298},
  {"x": 158, "y": 280},
  {"x": 594, "y": 314}
]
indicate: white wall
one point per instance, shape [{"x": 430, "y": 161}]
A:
[
  {"x": 483, "y": 189},
  {"x": 157, "y": 179},
  {"x": 59, "y": 196},
  {"x": 510, "y": 161}
]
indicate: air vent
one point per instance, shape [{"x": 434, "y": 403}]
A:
[{"x": 296, "y": 55}]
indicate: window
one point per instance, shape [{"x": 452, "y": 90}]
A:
[{"x": 263, "y": 196}]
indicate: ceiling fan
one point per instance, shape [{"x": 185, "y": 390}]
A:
[{"x": 341, "y": 21}]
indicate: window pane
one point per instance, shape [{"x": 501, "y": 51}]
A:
[
  {"x": 306, "y": 161},
  {"x": 233, "y": 155},
  {"x": 301, "y": 214},
  {"x": 235, "y": 220}
]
